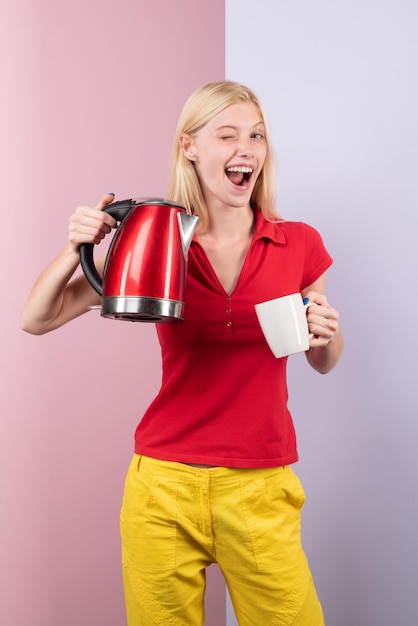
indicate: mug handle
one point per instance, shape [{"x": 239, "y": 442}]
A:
[{"x": 307, "y": 305}]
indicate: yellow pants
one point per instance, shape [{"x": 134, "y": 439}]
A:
[{"x": 176, "y": 520}]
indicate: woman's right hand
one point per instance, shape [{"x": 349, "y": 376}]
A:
[
  {"x": 56, "y": 297},
  {"x": 91, "y": 225}
]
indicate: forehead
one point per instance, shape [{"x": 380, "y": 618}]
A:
[{"x": 242, "y": 114}]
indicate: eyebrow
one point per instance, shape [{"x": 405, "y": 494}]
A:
[{"x": 232, "y": 127}]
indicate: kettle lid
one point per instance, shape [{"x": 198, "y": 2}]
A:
[{"x": 158, "y": 201}]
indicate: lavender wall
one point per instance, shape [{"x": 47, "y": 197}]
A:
[
  {"x": 339, "y": 81},
  {"x": 91, "y": 92}
]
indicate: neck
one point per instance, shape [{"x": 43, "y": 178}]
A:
[{"x": 230, "y": 224}]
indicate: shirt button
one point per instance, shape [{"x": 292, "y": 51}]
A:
[{"x": 229, "y": 323}]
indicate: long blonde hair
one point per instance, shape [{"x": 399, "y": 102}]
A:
[{"x": 203, "y": 105}]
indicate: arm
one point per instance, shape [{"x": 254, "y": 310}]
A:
[
  {"x": 326, "y": 345},
  {"x": 55, "y": 299}
]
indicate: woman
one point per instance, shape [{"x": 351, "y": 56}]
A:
[{"x": 210, "y": 480}]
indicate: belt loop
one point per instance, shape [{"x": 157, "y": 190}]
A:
[{"x": 138, "y": 462}]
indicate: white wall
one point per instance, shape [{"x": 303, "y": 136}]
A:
[{"x": 339, "y": 80}]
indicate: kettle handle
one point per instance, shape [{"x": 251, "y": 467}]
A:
[{"x": 119, "y": 211}]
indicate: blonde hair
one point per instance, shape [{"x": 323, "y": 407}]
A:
[{"x": 203, "y": 105}]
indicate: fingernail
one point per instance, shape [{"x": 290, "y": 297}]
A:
[
  {"x": 111, "y": 193},
  {"x": 305, "y": 300}
]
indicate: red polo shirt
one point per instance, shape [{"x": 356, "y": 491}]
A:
[{"x": 223, "y": 399}]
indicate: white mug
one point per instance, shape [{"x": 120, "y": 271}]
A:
[{"x": 284, "y": 324}]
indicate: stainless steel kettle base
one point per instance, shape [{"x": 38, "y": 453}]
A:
[{"x": 139, "y": 309}]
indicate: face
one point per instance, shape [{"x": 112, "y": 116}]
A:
[{"x": 228, "y": 153}]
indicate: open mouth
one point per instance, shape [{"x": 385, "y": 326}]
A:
[{"x": 240, "y": 175}]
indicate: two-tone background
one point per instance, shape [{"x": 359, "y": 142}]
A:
[{"x": 90, "y": 94}]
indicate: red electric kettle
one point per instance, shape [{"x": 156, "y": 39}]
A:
[{"x": 146, "y": 266}]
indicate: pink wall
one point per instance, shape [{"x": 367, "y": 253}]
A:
[{"x": 91, "y": 92}]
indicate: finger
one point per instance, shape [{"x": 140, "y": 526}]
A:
[
  {"x": 323, "y": 328},
  {"x": 85, "y": 216},
  {"x": 105, "y": 200},
  {"x": 89, "y": 225},
  {"x": 316, "y": 298}
]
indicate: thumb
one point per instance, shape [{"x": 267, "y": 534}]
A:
[{"x": 105, "y": 201}]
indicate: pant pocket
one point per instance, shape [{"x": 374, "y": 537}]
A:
[
  {"x": 148, "y": 520},
  {"x": 271, "y": 506}
]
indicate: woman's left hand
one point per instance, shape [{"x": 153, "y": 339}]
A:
[{"x": 323, "y": 320}]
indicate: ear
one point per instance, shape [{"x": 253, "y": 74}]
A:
[{"x": 188, "y": 146}]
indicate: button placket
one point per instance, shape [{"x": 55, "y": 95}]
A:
[{"x": 228, "y": 315}]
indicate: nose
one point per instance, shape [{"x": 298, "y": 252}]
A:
[{"x": 244, "y": 147}]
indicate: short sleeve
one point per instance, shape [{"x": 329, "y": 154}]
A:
[{"x": 317, "y": 258}]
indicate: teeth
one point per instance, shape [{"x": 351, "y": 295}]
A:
[{"x": 242, "y": 170}]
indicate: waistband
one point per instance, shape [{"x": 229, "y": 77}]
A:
[{"x": 181, "y": 471}]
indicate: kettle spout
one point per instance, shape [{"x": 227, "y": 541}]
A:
[{"x": 187, "y": 226}]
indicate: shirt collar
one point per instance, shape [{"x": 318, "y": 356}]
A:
[
  {"x": 268, "y": 229},
  {"x": 264, "y": 229}
]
